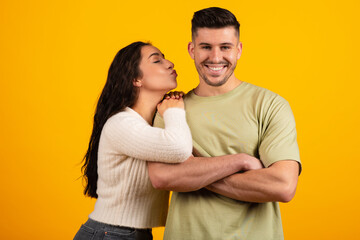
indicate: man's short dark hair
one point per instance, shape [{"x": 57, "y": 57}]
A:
[{"x": 213, "y": 17}]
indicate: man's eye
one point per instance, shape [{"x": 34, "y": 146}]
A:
[
  {"x": 205, "y": 47},
  {"x": 225, "y": 48},
  {"x": 157, "y": 61}
]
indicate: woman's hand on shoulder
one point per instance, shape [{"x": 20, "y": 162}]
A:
[
  {"x": 172, "y": 99},
  {"x": 174, "y": 95}
]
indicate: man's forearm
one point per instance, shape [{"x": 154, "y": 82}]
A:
[
  {"x": 198, "y": 172},
  {"x": 276, "y": 183}
]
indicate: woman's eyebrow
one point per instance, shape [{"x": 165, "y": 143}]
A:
[{"x": 156, "y": 54}]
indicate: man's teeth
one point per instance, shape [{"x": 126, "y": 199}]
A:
[{"x": 216, "y": 68}]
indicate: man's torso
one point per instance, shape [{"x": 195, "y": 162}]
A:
[{"x": 235, "y": 122}]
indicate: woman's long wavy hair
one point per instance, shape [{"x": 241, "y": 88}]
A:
[{"x": 118, "y": 93}]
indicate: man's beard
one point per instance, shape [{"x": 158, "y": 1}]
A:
[{"x": 220, "y": 83}]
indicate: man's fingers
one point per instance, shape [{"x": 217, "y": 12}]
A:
[{"x": 196, "y": 153}]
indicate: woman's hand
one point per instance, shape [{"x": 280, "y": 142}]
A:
[
  {"x": 169, "y": 103},
  {"x": 174, "y": 95}
]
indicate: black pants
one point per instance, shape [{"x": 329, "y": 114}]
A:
[{"x": 93, "y": 230}]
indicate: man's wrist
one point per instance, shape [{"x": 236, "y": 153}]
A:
[
  {"x": 244, "y": 163},
  {"x": 239, "y": 161}
]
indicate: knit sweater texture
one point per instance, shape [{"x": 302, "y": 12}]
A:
[{"x": 126, "y": 196}]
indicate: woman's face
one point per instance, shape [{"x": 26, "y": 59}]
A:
[{"x": 158, "y": 73}]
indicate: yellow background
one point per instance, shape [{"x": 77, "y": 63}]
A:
[{"x": 54, "y": 57}]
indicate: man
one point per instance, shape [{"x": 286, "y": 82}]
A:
[{"x": 229, "y": 119}]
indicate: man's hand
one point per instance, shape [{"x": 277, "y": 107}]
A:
[{"x": 249, "y": 162}]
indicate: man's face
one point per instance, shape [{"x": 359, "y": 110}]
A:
[{"x": 215, "y": 52}]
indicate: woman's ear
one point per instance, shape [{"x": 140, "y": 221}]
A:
[{"x": 137, "y": 83}]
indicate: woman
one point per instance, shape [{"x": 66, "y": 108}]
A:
[{"x": 123, "y": 139}]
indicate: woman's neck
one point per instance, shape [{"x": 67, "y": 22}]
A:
[{"x": 146, "y": 106}]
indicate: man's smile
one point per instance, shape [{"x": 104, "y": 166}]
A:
[{"x": 216, "y": 68}]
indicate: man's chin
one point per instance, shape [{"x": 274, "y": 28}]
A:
[{"x": 215, "y": 82}]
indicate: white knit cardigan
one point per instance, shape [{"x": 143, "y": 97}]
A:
[{"x": 126, "y": 196}]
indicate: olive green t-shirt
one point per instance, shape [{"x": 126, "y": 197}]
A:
[{"x": 248, "y": 119}]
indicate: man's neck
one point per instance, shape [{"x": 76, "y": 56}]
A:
[{"x": 205, "y": 90}]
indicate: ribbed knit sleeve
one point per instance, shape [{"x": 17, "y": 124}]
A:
[
  {"x": 131, "y": 135},
  {"x": 126, "y": 196}
]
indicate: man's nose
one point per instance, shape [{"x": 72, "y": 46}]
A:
[{"x": 215, "y": 55}]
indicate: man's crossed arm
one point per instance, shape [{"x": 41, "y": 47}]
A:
[
  {"x": 221, "y": 175},
  {"x": 277, "y": 183}
]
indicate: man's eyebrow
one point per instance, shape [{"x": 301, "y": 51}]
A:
[
  {"x": 227, "y": 43},
  {"x": 156, "y": 54},
  {"x": 208, "y": 44}
]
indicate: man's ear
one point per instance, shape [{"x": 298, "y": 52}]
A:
[
  {"x": 137, "y": 83},
  {"x": 191, "y": 49},
  {"x": 239, "y": 50}
]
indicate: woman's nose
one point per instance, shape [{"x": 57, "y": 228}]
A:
[{"x": 170, "y": 64}]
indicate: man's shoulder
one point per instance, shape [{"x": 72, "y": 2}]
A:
[
  {"x": 263, "y": 94},
  {"x": 255, "y": 89},
  {"x": 189, "y": 93},
  {"x": 245, "y": 93}
]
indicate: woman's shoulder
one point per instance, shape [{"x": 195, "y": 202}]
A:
[{"x": 124, "y": 119}]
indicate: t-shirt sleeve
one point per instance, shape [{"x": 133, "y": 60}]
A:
[
  {"x": 278, "y": 140},
  {"x": 159, "y": 121},
  {"x": 136, "y": 138}
]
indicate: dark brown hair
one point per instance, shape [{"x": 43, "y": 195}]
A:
[
  {"x": 118, "y": 93},
  {"x": 213, "y": 17}
]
